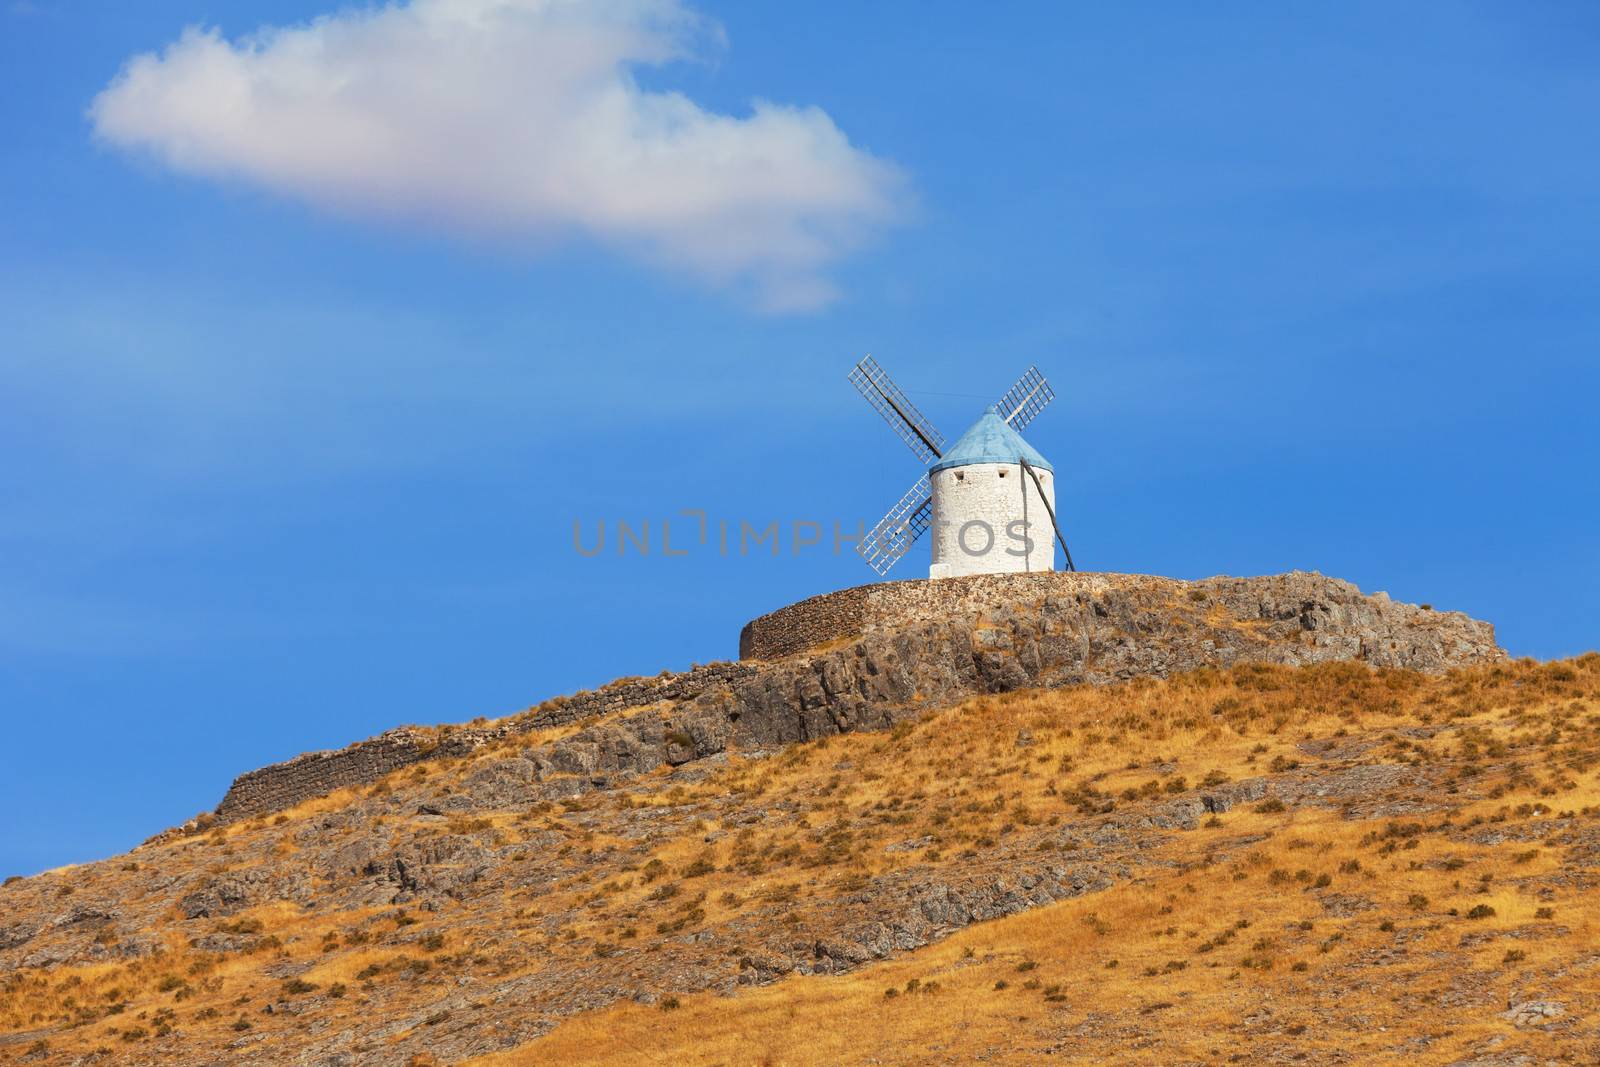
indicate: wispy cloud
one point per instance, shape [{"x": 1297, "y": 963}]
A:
[
  {"x": 515, "y": 120},
  {"x": 189, "y": 380}
]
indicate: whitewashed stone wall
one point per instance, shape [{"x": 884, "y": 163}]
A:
[{"x": 971, "y": 503}]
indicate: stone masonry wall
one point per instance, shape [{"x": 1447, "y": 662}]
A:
[
  {"x": 808, "y": 624},
  {"x": 894, "y": 649},
  {"x": 283, "y": 785}
]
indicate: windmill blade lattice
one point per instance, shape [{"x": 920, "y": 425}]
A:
[
  {"x": 1026, "y": 399},
  {"x": 896, "y": 532},
  {"x": 897, "y": 410}
]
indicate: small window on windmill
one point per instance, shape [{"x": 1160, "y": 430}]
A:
[
  {"x": 1002, "y": 473},
  {"x": 961, "y": 476}
]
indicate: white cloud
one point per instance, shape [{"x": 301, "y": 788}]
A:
[{"x": 514, "y": 120}]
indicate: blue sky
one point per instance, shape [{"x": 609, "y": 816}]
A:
[{"x": 287, "y": 465}]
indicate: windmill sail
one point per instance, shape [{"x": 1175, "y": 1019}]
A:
[
  {"x": 899, "y": 412},
  {"x": 1025, "y": 399},
  {"x": 897, "y": 531}
]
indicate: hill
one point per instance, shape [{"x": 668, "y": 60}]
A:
[{"x": 1317, "y": 860}]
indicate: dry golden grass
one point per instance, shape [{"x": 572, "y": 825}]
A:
[
  {"x": 760, "y": 843},
  {"x": 1174, "y": 962},
  {"x": 1151, "y": 956}
]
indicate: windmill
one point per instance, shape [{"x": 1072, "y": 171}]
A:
[{"x": 966, "y": 495}]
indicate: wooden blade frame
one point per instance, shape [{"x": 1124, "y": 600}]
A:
[
  {"x": 1031, "y": 395},
  {"x": 886, "y": 398},
  {"x": 896, "y": 532}
]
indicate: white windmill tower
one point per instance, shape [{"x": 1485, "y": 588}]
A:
[{"x": 990, "y": 498}]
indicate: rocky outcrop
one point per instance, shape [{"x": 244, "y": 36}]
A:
[
  {"x": 1371, "y": 627},
  {"x": 891, "y": 650},
  {"x": 979, "y": 635},
  {"x": 283, "y": 785}
]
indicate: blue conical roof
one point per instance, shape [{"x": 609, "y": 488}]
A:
[{"x": 990, "y": 440}]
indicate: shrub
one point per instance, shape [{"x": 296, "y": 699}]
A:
[
  {"x": 781, "y": 894},
  {"x": 1481, "y": 911}
]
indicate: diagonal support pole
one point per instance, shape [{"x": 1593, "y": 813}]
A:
[{"x": 1051, "y": 511}]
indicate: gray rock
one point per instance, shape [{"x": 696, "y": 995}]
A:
[
  {"x": 1534, "y": 1012},
  {"x": 17, "y": 934}
]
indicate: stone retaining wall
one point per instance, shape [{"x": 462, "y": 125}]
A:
[
  {"x": 283, "y": 785},
  {"x": 811, "y": 623}
]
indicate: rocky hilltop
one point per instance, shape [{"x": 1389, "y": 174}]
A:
[
  {"x": 1054, "y": 818},
  {"x": 867, "y": 657}
]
